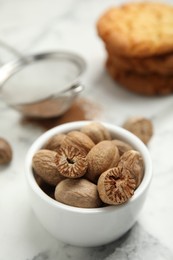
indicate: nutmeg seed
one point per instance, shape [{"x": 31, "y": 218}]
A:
[
  {"x": 5, "y": 151},
  {"x": 54, "y": 142},
  {"x": 96, "y": 131},
  {"x": 116, "y": 187},
  {"x": 141, "y": 127},
  {"x": 43, "y": 164},
  {"x": 78, "y": 193},
  {"x": 101, "y": 157},
  {"x": 80, "y": 140},
  {"x": 133, "y": 162},
  {"x": 71, "y": 162},
  {"x": 122, "y": 146}
]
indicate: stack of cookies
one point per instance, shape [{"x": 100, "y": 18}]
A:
[{"x": 139, "y": 41}]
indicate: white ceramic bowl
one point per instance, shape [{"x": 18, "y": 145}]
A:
[{"x": 81, "y": 226}]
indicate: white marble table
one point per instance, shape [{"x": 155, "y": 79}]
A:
[{"x": 37, "y": 25}]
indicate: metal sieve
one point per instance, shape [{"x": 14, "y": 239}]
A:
[{"x": 42, "y": 85}]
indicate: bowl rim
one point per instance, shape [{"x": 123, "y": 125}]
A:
[{"x": 120, "y": 132}]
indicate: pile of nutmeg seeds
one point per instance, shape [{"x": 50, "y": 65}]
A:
[{"x": 88, "y": 168}]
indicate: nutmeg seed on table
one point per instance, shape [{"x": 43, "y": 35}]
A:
[
  {"x": 141, "y": 127},
  {"x": 5, "y": 151}
]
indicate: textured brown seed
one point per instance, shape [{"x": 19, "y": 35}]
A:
[
  {"x": 43, "y": 164},
  {"x": 101, "y": 157},
  {"x": 133, "y": 162},
  {"x": 5, "y": 151},
  {"x": 54, "y": 142},
  {"x": 141, "y": 127},
  {"x": 96, "y": 131},
  {"x": 71, "y": 162},
  {"x": 78, "y": 193},
  {"x": 122, "y": 146},
  {"x": 116, "y": 187},
  {"x": 80, "y": 140}
]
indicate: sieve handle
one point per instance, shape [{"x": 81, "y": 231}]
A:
[
  {"x": 75, "y": 89},
  {"x": 10, "y": 52}
]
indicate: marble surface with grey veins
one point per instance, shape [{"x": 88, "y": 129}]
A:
[{"x": 35, "y": 26}]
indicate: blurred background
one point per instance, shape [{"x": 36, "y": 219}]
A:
[{"x": 32, "y": 26}]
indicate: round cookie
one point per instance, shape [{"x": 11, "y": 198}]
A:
[
  {"x": 138, "y": 29},
  {"x": 162, "y": 64},
  {"x": 149, "y": 85}
]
